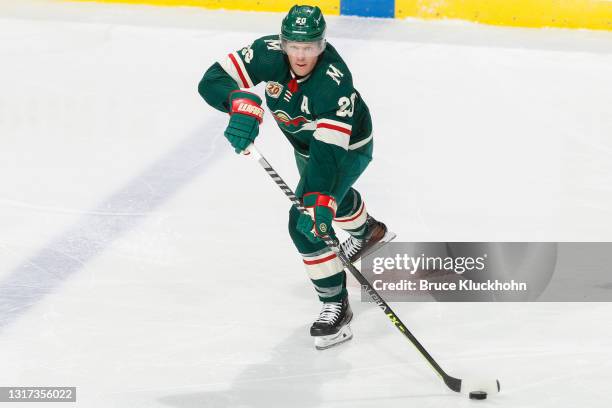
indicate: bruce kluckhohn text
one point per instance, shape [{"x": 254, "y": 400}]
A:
[
  {"x": 424, "y": 264},
  {"x": 462, "y": 285}
]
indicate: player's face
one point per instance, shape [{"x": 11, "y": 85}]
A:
[
  {"x": 301, "y": 64},
  {"x": 303, "y": 56}
]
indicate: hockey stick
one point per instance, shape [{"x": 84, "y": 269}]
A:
[{"x": 453, "y": 383}]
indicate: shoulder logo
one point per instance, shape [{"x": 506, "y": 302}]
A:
[
  {"x": 274, "y": 89},
  {"x": 247, "y": 53},
  {"x": 274, "y": 45},
  {"x": 334, "y": 73}
]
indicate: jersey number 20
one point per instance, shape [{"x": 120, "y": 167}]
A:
[{"x": 347, "y": 106}]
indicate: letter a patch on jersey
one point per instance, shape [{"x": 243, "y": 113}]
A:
[
  {"x": 304, "y": 107},
  {"x": 334, "y": 73}
]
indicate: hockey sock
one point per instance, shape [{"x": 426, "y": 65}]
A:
[
  {"x": 351, "y": 215},
  {"x": 332, "y": 288},
  {"x": 327, "y": 274}
]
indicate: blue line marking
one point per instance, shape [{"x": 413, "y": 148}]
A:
[{"x": 368, "y": 8}]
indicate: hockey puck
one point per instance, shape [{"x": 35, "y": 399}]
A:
[{"x": 478, "y": 395}]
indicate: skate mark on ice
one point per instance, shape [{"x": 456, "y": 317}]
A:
[{"x": 129, "y": 206}]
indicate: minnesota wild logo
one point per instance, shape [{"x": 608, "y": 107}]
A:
[{"x": 292, "y": 125}]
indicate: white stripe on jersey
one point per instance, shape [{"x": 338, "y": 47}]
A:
[
  {"x": 229, "y": 67},
  {"x": 335, "y": 123},
  {"x": 332, "y": 136},
  {"x": 361, "y": 143}
]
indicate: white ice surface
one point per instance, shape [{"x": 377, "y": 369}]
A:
[{"x": 144, "y": 262}]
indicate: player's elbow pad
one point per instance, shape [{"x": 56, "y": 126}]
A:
[
  {"x": 205, "y": 85},
  {"x": 215, "y": 86}
]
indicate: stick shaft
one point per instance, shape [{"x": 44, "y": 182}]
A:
[{"x": 453, "y": 383}]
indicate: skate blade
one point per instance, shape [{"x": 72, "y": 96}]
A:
[
  {"x": 325, "y": 342},
  {"x": 388, "y": 237}
]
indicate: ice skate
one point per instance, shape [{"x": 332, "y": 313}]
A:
[
  {"x": 332, "y": 326},
  {"x": 376, "y": 236}
]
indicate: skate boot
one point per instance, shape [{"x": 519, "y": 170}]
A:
[
  {"x": 332, "y": 326},
  {"x": 376, "y": 235}
]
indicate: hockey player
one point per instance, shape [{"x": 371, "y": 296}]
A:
[{"x": 310, "y": 93}]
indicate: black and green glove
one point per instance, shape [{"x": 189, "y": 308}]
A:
[
  {"x": 246, "y": 115},
  {"x": 321, "y": 211}
]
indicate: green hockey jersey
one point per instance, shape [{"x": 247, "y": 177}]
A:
[{"x": 322, "y": 115}]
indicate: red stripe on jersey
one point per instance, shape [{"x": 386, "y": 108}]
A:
[
  {"x": 242, "y": 77},
  {"x": 318, "y": 261},
  {"x": 353, "y": 218},
  {"x": 334, "y": 127}
]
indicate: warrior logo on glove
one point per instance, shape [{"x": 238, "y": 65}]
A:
[
  {"x": 247, "y": 107},
  {"x": 246, "y": 114}
]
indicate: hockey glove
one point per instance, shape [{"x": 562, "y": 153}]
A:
[
  {"x": 246, "y": 115},
  {"x": 321, "y": 211}
]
